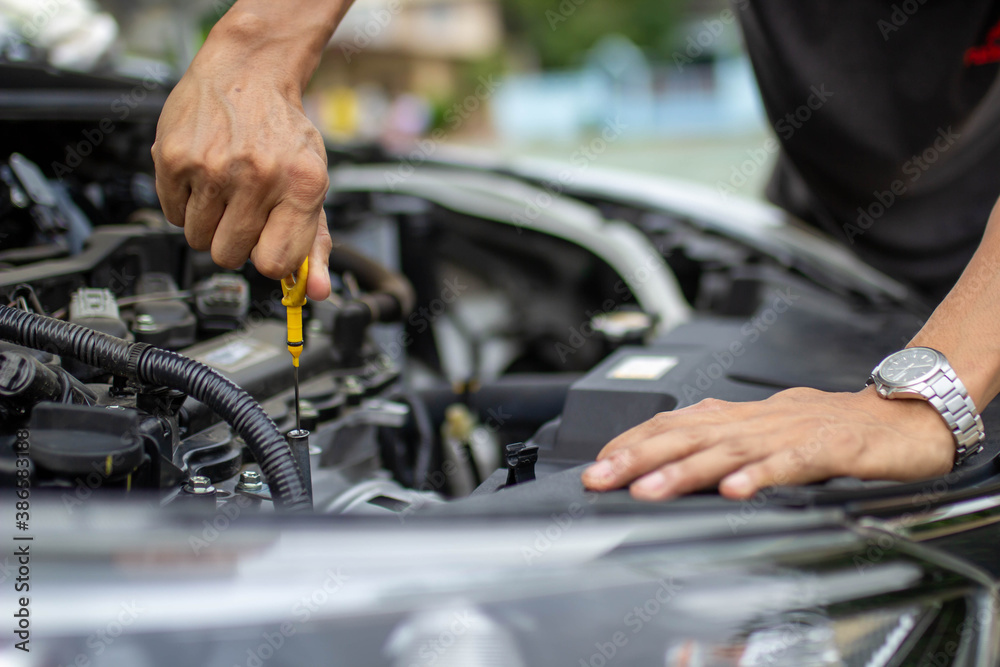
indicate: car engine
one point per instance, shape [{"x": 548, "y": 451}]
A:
[{"x": 491, "y": 325}]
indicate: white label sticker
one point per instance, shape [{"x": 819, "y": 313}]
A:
[
  {"x": 642, "y": 368},
  {"x": 238, "y": 354}
]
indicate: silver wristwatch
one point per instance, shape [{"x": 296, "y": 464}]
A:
[{"x": 922, "y": 372}]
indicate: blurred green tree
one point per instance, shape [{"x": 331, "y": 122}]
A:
[{"x": 561, "y": 31}]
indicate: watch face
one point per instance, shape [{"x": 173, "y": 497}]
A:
[{"x": 909, "y": 366}]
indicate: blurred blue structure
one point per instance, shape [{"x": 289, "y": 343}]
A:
[{"x": 617, "y": 82}]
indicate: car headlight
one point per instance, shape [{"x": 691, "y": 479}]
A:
[{"x": 935, "y": 633}]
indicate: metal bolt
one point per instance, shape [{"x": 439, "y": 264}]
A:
[
  {"x": 199, "y": 485},
  {"x": 145, "y": 322},
  {"x": 309, "y": 415},
  {"x": 250, "y": 480},
  {"x": 354, "y": 390}
]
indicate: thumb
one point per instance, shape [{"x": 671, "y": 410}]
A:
[{"x": 318, "y": 281}]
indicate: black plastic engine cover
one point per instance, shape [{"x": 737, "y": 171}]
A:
[
  {"x": 731, "y": 360},
  {"x": 634, "y": 384}
]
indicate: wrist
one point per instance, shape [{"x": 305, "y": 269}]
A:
[
  {"x": 272, "y": 40},
  {"x": 913, "y": 412},
  {"x": 925, "y": 374},
  {"x": 971, "y": 368}
]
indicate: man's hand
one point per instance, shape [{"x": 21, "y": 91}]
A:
[
  {"x": 238, "y": 164},
  {"x": 803, "y": 435},
  {"x": 795, "y": 437}
]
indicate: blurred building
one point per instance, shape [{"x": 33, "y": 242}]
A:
[
  {"x": 395, "y": 68},
  {"x": 718, "y": 96},
  {"x": 389, "y": 54},
  {"x": 704, "y": 87}
]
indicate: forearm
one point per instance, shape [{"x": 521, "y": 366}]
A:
[
  {"x": 238, "y": 164},
  {"x": 966, "y": 325},
  {"x": 284, "y": 39}
]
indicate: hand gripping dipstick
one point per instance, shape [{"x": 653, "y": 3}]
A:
[{"x": 293, "y": 287}]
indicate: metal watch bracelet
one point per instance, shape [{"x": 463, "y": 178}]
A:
[{"x": 946, "y": 392}]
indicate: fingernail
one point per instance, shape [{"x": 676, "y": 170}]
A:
[
  {"x": 600, "y": 471},
  {"x": 739, "y": 483},
  {"x": 653, "y": 483}
]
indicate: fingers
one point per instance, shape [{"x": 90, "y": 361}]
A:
[
  {"x": 244, "y": 175},
  {"x": 717, "y": 442},
  {"x": 172, "y": 190},
  {"x": 693, "y": 473},
  {"x": 239, "y": 230},
  {"x": 629, "y": 462},
  {"x": 740, "y": 458},
  {"x": 706, "y": 411},
  {"x": 787, "y": 466},
  {"x": 797, "y": 436},
  {"x": 205, "y": 208},
  {"x": 192, "y": 193},
  {"x": 318, "y": 282},
  {"x": 713, "y": 442},
  {"x": 285, "y": 241}
]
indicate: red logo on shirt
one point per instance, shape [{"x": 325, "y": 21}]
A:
[{"x": 988, "y": 52}]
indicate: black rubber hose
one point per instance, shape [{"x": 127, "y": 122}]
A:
[
  {"x": 514, "y": 400},
  {"x": 394, "y": 296},
  {"x": 425, "y": 437},
  {"x": 162, "y": 367}
]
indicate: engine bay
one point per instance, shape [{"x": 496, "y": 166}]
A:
[{"x": 491, "y": 327}]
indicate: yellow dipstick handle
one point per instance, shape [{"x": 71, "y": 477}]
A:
[{"x": 294, "y": 289}]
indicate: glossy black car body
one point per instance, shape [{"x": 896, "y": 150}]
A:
[{"x": 557, "y": 305}]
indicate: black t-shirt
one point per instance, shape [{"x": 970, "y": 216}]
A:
[{"x": 889, "y": 119}]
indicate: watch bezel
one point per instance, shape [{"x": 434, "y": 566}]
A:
[{"x": 939, "y": 359}]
